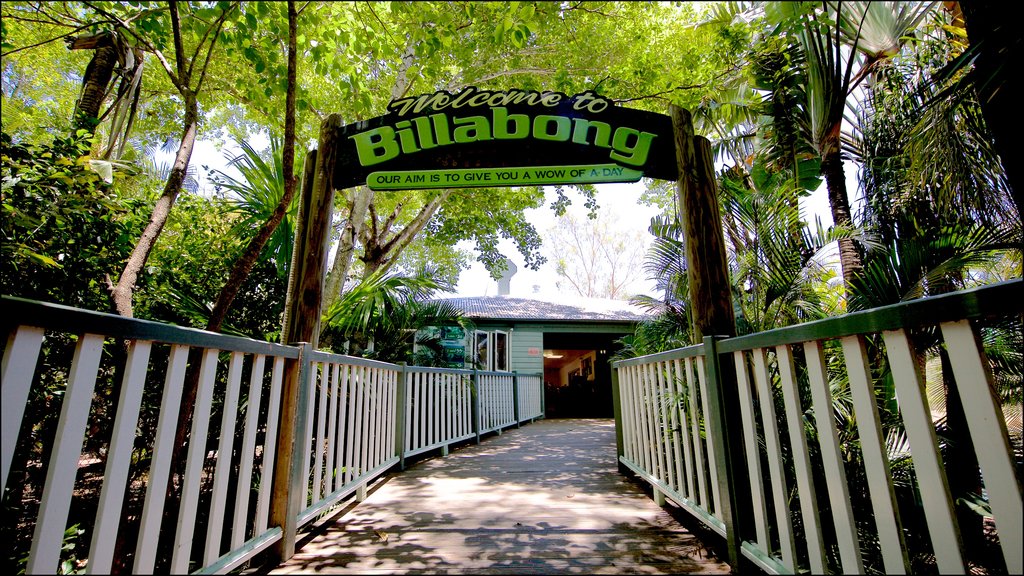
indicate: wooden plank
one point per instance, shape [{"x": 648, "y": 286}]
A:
[
  {"x": 626, "y": 397},
  {"x": 270, "y": 448},
  {"x": 354, "y": 423},
  {"x": 647, "y": 438},
  {"x": 931, "y": 476},
  {"x": 44, "y": 555},
  {"x": 339, "y": 457},
  {"x": 699, "y": 462},
  {"x": 988, "y": 432},
  {"x": 182, "y": 550},
  {"x": 218, "y": 502},
  {"x": 248, "y": 453},
  {"x": 322, "y": 387},
  {"x": 415, "y": 403},
  {"x": 19, "y": 365},
  {"x": 658, "y": 418},
  {"x": 876, "y": 464},
  {"x": 119, "y": 459},
  {"x": 776, "y": 470},
  {"x": 332, "y": 429},
  {"x": 541, "y": 499},
  {"x": 752, "y": 451},
  {"x": 675, "y": 407},
  {"x": 160, "y": 467},
  {"x": 832, "y": 460},
  {"x": 685, "y": 381},
  {"x": 716, "y": 491},
  {"x": 794, "y": 416}
]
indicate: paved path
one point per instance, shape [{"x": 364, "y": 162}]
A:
[{"x": 543, "y": 499}]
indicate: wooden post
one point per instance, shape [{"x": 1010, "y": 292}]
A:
[
  {"x": 475, "y": 389},
  {"x": 302, "y": 324},
  {"x": 620, "y": 443},
  {"x": 283, "y": 513},
  {"x": 712, "y": 313},
  {"x": 305, "y": 289},
  {"x": 401, "y": 405},
  {"x": 706, "y": 263},
  {"x": 515, "y": 397}
]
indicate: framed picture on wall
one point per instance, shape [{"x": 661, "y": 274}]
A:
[{"x": 587, "y": 367}]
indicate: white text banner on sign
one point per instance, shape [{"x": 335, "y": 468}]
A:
[{"x": 487, "y": 177}]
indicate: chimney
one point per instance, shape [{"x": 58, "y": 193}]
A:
[{"x": 504, "y": 283}]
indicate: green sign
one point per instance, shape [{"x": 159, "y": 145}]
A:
[
  {"x": 491, "y": 177},
  {"x": 491, "y": 138}
]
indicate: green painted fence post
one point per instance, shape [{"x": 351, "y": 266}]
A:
[
  {"x": 725, "y": 428},
  {"x": 401, "y": 404},
  {"x": 289, "y": 489},
  {"x": 515, "y": 397},
  {"x": 617, "y": 414},
  {"x": 475, "y": 389}
]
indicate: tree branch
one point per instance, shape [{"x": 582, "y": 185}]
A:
[
  {"x": 515, "y": 72},
  {"x": 399, "y": 242},
  {"x": 142, "y": 40},
  {"x": 44, "y": 42},
  {"x": 661, "y": 94},
  {"x": 209, "y": 51},
  {"x": 179, "y": 47}
]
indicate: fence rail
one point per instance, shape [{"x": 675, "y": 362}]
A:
[
  {"x": 815, "y": 448},
  {"x": 92, "y": 398}
]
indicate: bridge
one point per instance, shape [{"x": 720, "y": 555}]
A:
[
  {"x": 809, "y": 448},
  {"x": 543, "y": 499}
]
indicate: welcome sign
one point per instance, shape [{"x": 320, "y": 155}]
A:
[{"x": 484, "y": 138}]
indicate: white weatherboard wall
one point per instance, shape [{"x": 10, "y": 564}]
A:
[{"x": 522, "y": 340}]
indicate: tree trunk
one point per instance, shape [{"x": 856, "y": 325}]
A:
[
  {"x": 244, "y": 265},
  {"x": 353, "y": 230},
  {"x": 835, "y": 179},
  {"x": 96, "y": 79},
  {"x": 381, "y": 255},
  {"x": 121, "y": 294}
]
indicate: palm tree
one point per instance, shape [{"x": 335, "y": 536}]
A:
[
  {"x": 380, "y": 316},
  {"x": 938, "y": 199},
  {"x": 256, "y": 194},
  {"x": 842, "y": 44}
]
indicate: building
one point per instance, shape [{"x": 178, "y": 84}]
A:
[{"x": 569, "y": 342}]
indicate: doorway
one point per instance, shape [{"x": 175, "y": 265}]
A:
[{"x": 577, "y": 374}]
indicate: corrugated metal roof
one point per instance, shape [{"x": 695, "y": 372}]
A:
[{"x": 580, "y": 309}]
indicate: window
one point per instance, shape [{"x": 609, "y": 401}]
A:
[
  {"x": 501, "y": 351},
  {"x": 483, "y": 350},
  {"x": 492, "y": 350}
]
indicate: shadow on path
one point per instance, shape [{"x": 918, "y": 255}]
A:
[{"x": 544, "y": 499}]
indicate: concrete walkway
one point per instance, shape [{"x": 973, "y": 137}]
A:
[{"x": 543, "y": 499}]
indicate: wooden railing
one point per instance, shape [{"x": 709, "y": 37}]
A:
[
  {"x": 742, "y": 433},
  {"x": 118, "y": 385}
]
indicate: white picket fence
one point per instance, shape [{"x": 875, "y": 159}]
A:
[
  {"x": 241, "y": 489},
  {"x": 758, "y": 459}
]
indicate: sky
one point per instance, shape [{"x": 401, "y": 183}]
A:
[{"x": 622, "y": 200}]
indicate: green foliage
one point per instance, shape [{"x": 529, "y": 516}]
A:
[
  {"x": 388, "y": 309},
  {"x": 190, "y": 263},
  {"x": 63, "y": 228},
  {"x": 255, "y": 197}
]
